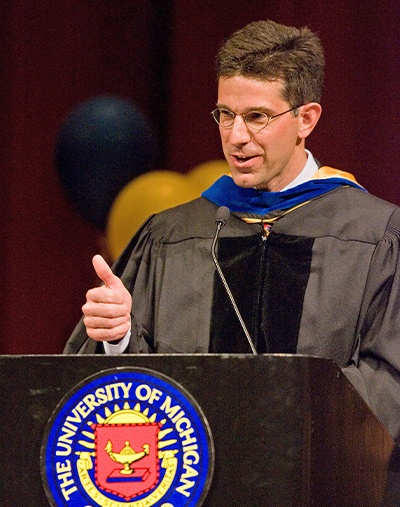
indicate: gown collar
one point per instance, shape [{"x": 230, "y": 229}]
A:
[{"x": 225, "y": 192}]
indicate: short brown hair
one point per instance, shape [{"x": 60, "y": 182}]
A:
[{"x": 268, "y": 51}]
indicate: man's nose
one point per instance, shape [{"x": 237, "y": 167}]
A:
[{"x": 239, "y": 132}]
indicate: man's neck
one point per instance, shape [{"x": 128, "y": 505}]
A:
[{"x": 308, "y": 171}]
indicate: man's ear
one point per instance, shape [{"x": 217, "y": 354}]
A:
[{"x": 309, "y": 116}]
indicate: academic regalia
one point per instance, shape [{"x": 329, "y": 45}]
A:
[{"x": 318, "y": 276}]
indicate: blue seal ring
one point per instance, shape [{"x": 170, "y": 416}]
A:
[{"x": 127, "y": 437}]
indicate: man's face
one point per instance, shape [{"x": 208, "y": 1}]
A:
[{"x": 272, "y": 157}]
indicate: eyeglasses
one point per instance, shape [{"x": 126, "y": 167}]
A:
[{"x": 256, "y": 120}]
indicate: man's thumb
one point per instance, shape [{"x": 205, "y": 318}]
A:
[{"x": 104, "y": 272}]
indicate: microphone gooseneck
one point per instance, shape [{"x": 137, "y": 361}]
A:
[{"x": 221, "y": 218}]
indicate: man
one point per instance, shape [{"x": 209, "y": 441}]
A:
[{"x": 311, "y": 257}]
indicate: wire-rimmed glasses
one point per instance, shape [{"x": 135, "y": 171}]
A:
[{"x": 256, "y": 120}]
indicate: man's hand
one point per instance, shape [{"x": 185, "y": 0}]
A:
[{"x": 107, "y": 309}]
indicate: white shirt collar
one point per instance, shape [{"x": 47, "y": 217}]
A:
[{"x": 306, "y": 174}]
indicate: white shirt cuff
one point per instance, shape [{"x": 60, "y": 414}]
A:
[{"x": 119, "y": 348}]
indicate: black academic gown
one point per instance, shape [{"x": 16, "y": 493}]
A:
[{"x": 324, "y": 282}]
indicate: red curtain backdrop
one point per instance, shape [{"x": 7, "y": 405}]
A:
[{"x": 160, "y": 56}]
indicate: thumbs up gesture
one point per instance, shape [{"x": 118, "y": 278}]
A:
[{"x": 107, "y": 309}]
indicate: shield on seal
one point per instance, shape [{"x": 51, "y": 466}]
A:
[{"x": 126, "y": 462}]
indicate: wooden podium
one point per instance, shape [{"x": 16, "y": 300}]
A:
[{"x": 288, "y": 430}]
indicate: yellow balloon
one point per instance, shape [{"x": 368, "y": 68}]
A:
[
  {"x": 145, "y": 195},
  {"x": 204, "y": 175}
]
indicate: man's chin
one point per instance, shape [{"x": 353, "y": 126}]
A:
[{"x": 244, "y": 180}]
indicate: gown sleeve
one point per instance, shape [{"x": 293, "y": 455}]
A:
[{"x": 375, "y": 365}]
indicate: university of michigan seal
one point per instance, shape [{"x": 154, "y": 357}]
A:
[{"x": 127, "y": 437}]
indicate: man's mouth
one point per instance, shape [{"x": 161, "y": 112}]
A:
[{"x": 242, "y": 160}]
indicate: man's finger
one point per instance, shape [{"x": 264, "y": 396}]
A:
[{"x": 104, "y": 272}]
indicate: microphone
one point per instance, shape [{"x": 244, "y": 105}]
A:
[{"x": 221, "y": 217}]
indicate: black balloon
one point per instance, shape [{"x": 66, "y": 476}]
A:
[{"x": 103, "y": 144}]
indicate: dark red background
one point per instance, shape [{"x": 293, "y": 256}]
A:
[{"x": 160, "y": 55}]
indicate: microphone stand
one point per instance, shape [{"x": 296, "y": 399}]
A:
[{"x": 221, "y": 220}]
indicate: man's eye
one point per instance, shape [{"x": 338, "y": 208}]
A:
[
  {"x": 256, "y": 117},
  {"x": 225, "y": 114}
]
